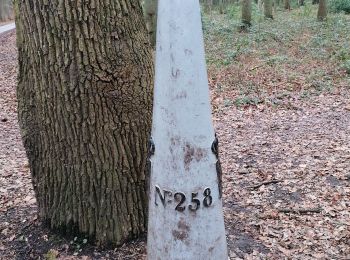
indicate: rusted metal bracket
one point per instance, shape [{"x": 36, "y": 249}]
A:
[
  {"x": 150, "y": 153},
  {"x": 215, "y": 150},
  {"x": 151, "y": 147}
]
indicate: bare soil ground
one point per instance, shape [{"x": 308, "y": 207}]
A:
[{"x": 286, "y": 164}]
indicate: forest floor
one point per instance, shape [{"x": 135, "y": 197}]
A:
[{"x": 281, "y": 107}]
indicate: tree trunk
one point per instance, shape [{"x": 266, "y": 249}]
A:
[
  {"x": 322, "y": 10},
  {"x": 6, "y": 10},
  {"x": 277, "y": 3},
  {"x": 286, "y": 4},
  {"x": 246, "y": 12},
  {"x": 268, "y": 9},
  {"x": 150, "y": 11},
  {"x": 221, "y": 6},
  {"x": 314, "y": 2},
  {"x": 260, "y": 5},
  {"x": 84, "y": 101},
  {"x": 208, "y": 6}
]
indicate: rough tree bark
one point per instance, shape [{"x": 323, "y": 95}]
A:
[
  {"x": 84, "y": 101},
  {"x": 322, "y": 10}
]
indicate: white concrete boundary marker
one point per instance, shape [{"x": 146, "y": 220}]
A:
[{"x": 185, "y": 210}]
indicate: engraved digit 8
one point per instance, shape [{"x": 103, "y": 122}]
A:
[{"x": 208, "y": 199}]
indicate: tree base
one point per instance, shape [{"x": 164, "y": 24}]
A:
[{"x": 244, "y": 27}]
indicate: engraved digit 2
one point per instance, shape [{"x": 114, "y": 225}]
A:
[{"x": 180, "y": 196}]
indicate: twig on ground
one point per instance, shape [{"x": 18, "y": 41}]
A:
[
  {"x": 256, "y": 67},
  {"x": 264, "y": 183},
  {"x": 301, "y": 211}
]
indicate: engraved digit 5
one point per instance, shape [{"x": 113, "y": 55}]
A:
[
  {"x": 179, "y": 196},
  {"x": 195, "y": 201},
  {"x": 208, "y": 199}
]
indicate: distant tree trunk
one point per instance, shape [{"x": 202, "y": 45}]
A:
[
  {"x": 286, "y": 4},
  {"x": 314, "y": 2},
  {"x": 150, "y": 10},
  {"x": 246, "y": 13},
  {"x": 208, "y": 5},
  {"x": 276, "y": 4},
  {"x": 268, "y": 9},
  {"x": 301, "y": 2},
  {"x": 84, "y": 102},
  {"x": 221, "y": 6},
  {"x": 6, "y": 10},
  {"x": 322, "y": 10}
]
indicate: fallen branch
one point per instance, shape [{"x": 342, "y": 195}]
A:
[
  {"x": 265, "y": 183},
  {"x": 301, "y": 211}
]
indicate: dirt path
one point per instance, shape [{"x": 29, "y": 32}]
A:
[
  {"x": 7, "y": 27},
  {"x": 304, "y": 148}
]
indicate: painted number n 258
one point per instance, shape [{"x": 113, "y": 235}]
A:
[{"x": 180, "y": 198}]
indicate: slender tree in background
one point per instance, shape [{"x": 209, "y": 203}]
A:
[
  {"x": 314, "y": 2},
  {"x": 150, "y": 12},
  {"x": 208, "y": 4},
  {"x": 84, "y": 102},
  {"x": 287, "y": 4},
  {"x": 6, "y": 10},
  {"x": 246, "y": 13},
  {"x": 260, "y": 5},
  {"x": 221, "y": 6},
  {"x": 268, "y": 9},
  {"x": 276, "y": 4},
  {"x": 322, "y": 10}
]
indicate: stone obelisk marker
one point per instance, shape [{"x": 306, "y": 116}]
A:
[{"x": 185, "y": 209}]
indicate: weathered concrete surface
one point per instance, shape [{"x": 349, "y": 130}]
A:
[{"x": 185, "y": 212}]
